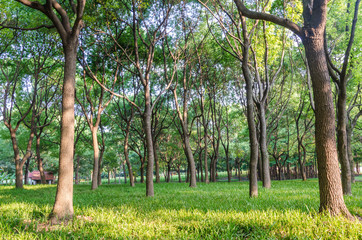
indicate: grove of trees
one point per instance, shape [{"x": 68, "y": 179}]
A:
[{"x": 145, "y": 89}]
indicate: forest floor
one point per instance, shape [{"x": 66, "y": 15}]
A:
[{"x": 215, "y": 211}]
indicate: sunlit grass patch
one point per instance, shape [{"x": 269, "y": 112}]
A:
[{"x": 214, "y": 211}]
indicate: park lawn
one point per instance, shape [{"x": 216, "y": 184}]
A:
[{"x": 214, "y": 211}]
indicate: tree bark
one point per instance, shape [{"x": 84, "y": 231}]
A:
[
  {"x": 330, "y": 187},
  {"x": 191, "y": 161},
  {"x": 149, "y": 143},
  {"x": 312, "y": 35},
  {"x": 77, "y": 170},
  {"x": 157, "y": 164},
  {"x": 95, "y": 158},
  {"x": 40, "y": 161},
  {"x": 342, "y": 138},
  {"x": 63, "y": 206},
  {"x": 264, "y": 148}
]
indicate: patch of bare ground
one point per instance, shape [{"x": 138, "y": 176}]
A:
[{"x": 47, "y": 226}]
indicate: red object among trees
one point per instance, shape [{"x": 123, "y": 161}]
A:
[{"x": 35, "y": 178}]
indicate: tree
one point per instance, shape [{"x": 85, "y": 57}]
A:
[
  {"x": 68, "y": 31},
  {"x": 13, "y": 112},
  {"x": 341, "y": 78},
  {"x": 312, "y": 35}
]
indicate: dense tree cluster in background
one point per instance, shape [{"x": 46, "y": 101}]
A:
[{"x": 148, "y": 89}]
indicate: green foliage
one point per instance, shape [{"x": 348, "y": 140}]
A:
[{"x": 213, "y": 211}]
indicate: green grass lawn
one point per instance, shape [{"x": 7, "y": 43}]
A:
[{"x": 215, "y": 211}]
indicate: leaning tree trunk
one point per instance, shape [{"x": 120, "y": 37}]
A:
[
  {"x": 330, "y": 187},
  {"x": 63, "y": 206}
]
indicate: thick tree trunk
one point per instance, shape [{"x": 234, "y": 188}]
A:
[
  {"x": 63, "y": 206},
  {"x": 95, "y": 158},
  {"x": 264, "y": 148},
  {"x": 330, "y": 187}
]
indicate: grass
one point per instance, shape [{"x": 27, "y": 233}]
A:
[{"x": 215, "y": 211}]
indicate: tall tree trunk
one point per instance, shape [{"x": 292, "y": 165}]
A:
[
  {"x": 77, "y": 170},
  {"x": 149, "y": 143},
  {"x": 109, "y": 176},
  {"x": 253, "y": 177},
  {"x": 191, "y": 161},
  {"x": 99, "y": 178},
  {"x": 40, "y": 161},
  {"x": 126, "y": 156},
  {"x": 349, "y": 151},
  {"x": 95, "y": 158},
  {"x": 200, "y": 166},
  {"x": 63, "y": 206},
  {"x": 26, "y": 171},
  {"x": 330, "y": 187},
  {"x": 129, "y": 166},
  {"x": 264, "y": 148},
  {"x": 157, "y": 164},
  {"x": 342, "y": 139}
]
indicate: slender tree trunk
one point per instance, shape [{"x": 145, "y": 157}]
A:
[
  {"x": 77, "y": 170},
  {"x": 126, "y": 156},
  {"x": 200, "y": 167},
  {"x": 109, "y": 176},
  {"x": 253, "y": 180},
  {"x": 179, "y": 174},
  {"x": 190, "y": 158},
  {"x": 157, "y": 165},
  {"x": 26, "y": 171},
  {"x": 95, "y": 158},
  {"x": 264, "y": 148},
  {"x": 40, "y": 161},
  {"x": 349, "y": 151},
  {"x": 63, "y": 206},
  {"x": 99, "y": 179},
  {"x": 168, "y": 171},
  {"x": 342, "y": 139},
  {"x": 149, "y": 143}
]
